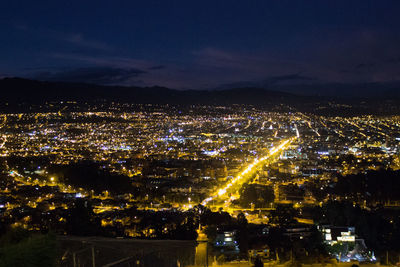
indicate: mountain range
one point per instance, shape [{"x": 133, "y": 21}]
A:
[
  {"x": 312, "y": 96},
  {"x": 17, "y": 90}
]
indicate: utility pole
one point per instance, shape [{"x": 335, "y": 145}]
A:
[
  {"x": 207, "y": 253},
  {"x": 387, "y": 257},
  {"x": 74, "y": 259},
  {"x": 93, "y": 257},
  {"x": 291, "y": 256}
]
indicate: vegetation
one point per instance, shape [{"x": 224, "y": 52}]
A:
[
  {"x": 21, "y": 248},
  {"x": 258, "y": 195},
  {"x": 90, "y": 176},
  {"x": 373, "y": 186}
]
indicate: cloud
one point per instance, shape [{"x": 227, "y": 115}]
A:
[
  {"x": 21, "y": 26},
  {"x": 360, "y": 56},
  {"x": 364, "y": 65},
  {"x": 287, "y": 79},
  {"x": 223, "y": 67},
  {"x": 217, "y": 58},
  {"x": 290, "y": 78},
  {"x": 158, "y": 67},
  {"x": 75, "y": 38},
  {"x": 171, "y": 75},
  {"x": 95, "y": 75},
  {"x": 395, "y": 60},
  {"x": 110, "y": 61},
  {"x": 79, "y": 40}
]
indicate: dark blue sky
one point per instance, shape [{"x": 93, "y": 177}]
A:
[{"x": 201, "y": 44}]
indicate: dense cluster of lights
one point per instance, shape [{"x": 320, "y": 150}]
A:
[{"x": 273, "y": 151}]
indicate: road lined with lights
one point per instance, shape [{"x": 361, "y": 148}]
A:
[{"x": 241, "y": 178}]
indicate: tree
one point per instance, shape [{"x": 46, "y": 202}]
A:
[
  {"x": 258, "y": 195},
  {"x": 211, "y": 232},
  {"x": 81, "y": 221},
  {"x": 20, "y": 248},
  {"x": 258, "y": 262},
  {"x": 243, "y": 234},
  {"x": 221, "y": 259},
  {"x": 284, "y": 215}
]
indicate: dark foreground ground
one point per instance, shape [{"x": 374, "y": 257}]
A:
[{"x": 125, "y": 252}]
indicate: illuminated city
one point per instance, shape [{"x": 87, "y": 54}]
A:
[
  {"x": 200, "y": 133},
  {"x": 167, "y": 161}
]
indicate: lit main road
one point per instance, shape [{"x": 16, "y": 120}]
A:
[{"x": 244, "y": 176}]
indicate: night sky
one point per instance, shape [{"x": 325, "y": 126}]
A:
[{"x": 201, "y": 44}]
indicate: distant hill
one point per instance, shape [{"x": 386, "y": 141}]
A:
[
  {"x": 337, "y": 90},
  {"x": 384, "y": 90},
  {"x": 16, "y": 93},
  {"x": 17, "y": 90}
]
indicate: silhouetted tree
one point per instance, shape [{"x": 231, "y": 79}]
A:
[
  {"x": 243, "y": 234},
  {"x": 81, "y": 220},
  {"x": 283, "y": 215},
  {"x": 20, "y": 248},
  {"x": 258, "y": 262}
]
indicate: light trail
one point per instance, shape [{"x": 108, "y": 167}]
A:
[
  {"x": 263, "y": 125},
  {"x": 297, "y": 131},
  {"x": 248, "y": 125},
  {"x": 257, "y": 162},
  {"x": 4, "y": 141},
  {"x": 5, "y": 136}
]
